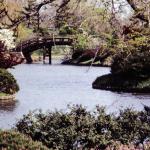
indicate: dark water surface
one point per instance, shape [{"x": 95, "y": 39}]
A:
[{"x": 54, "y": 86}]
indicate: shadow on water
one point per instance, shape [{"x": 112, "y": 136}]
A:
[
  {"x": 140, "y": 96},
  {"x": 9, "y": 105}
]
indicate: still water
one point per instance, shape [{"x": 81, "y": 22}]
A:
[{"x": 50, "y": 87}]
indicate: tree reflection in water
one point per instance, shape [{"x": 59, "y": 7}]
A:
[{"x": 8, "y": 105}]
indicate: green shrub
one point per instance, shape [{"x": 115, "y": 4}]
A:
[
  {"x": 10, "y": 140},
  {"x": 67, "y": 30},
  {"x": 81, "y": 42},
  {"x": 81, "y": 128},
  {"x": 136, "y": 64},
  {"x": 8, "y": 84},
  {"x": 132, "y": 58},
  {"x": 130, "y": 69}
]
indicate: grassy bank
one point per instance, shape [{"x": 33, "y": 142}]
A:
[{"x": 3, "y": 94}]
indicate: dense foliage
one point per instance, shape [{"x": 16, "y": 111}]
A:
[
  {"x": 133, "y": 58},
  {"x": 67, "y": 30},
  {"x": 130, "y": 69},
  {"x": 8, "y": 84},
  {"x": 79, "y": 128},
  {"x": 10, "y": 140}
]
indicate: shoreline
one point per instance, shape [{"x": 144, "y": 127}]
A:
[
  {"x": 68, "y": 63},
  {"x": 119, "y": 83},
  {"x": 7, "y": 97},
  {"x": 84, "y": 63}
]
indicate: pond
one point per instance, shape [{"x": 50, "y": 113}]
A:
[{"x": 50, "y": 87}]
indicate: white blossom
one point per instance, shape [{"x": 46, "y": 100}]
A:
[{"x": 7, "y": 37}]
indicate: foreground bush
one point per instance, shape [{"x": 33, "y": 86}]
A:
[
  {"x": 79, "y": 128},
  {"x": 8, "y": 84},
  {"x": 10, "y": 140}
]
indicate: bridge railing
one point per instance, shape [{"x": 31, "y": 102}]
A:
[{"x": 40, "y": 40}]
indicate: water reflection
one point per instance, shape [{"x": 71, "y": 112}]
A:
[
  {"x": 8, "y": 105},
  {"x": 145, "y": 96}
]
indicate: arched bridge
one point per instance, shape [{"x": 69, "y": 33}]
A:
[{"x": 28, "y": 46}]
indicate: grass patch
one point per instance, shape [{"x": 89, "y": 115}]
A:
[{"x": 4, "y": 94}]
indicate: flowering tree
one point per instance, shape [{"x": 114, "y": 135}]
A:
[
  {"x": 6, "y": 36},
  {"x": 7, "y": 58}
]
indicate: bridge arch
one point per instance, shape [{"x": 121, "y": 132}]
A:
[{"x": 31, "y": 45}]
